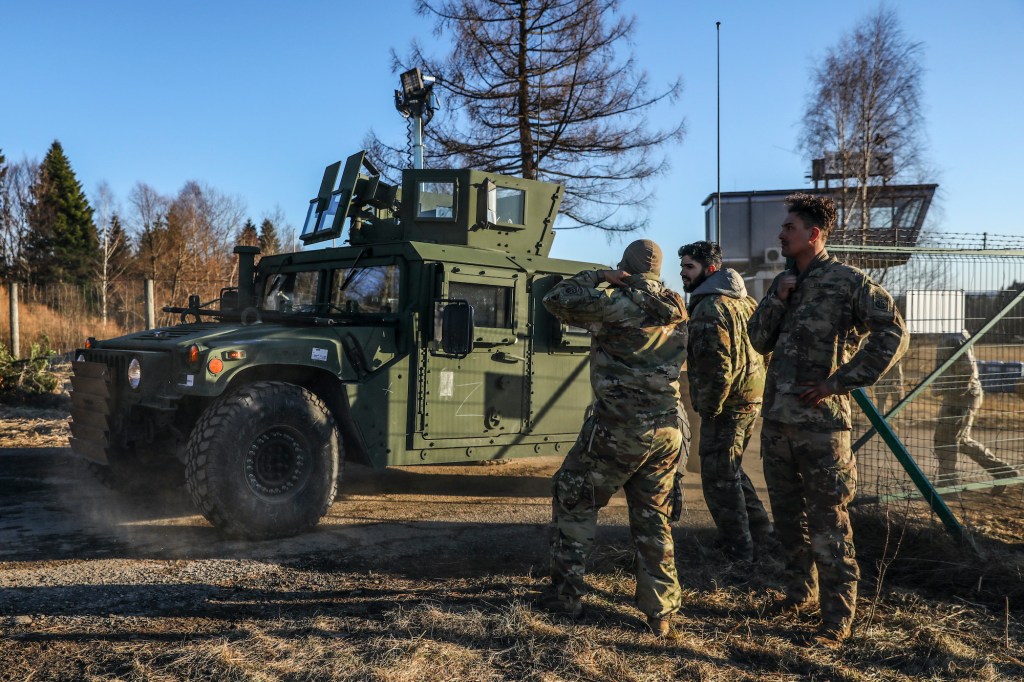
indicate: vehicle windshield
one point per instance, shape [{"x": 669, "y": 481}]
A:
[{"x": 366, "y": 290}]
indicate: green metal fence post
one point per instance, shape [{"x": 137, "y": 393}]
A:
[{"x": 904, "y": 457}]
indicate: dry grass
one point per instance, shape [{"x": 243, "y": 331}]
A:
[
  {"x": 65, "y": 327},
  {"x": 484, "y": 628},
  {"x": 32, "y": 427}
]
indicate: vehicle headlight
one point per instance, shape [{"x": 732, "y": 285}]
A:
[{"x": 134, "y": 373}]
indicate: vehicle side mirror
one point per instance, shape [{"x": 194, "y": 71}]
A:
[{"x": 457, "y": 328}]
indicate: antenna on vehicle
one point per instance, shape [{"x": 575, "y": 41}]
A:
[{"x": 416, "y": 101}]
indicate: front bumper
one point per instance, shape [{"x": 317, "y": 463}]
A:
[{"x": 92, "y": 408}]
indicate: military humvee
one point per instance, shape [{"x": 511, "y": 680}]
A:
[{"x": 422, "y": 341}]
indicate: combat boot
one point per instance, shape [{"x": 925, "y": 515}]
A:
[
  {"x": 559, "y": 604},
  {"x": 830, "y": 635},
  {"x": 663, "y": 628}
]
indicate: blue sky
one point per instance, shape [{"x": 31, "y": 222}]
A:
[{"x": 255, "y": 98}]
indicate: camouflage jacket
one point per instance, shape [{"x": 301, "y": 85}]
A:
[
  {"x": 961, "y": 383},
  {"x": 638, "y": 345},
  {"x": 726, "y": 373},
  {"x": 808, "y": 337}
]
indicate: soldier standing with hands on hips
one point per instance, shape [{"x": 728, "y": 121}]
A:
[
  {"x": 805, "y": 321},
  {"x": 633, "y": 439}
]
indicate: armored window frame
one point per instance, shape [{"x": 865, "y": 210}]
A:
[
  {"x": 392, "y": 277},
  {"x": 283, "y": 286},
  {"x": 516, "y": 197},
  {"x": 430, "y": 187},
  {"x": 496, "y": 313}
]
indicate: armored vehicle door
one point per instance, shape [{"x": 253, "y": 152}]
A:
[{"x": 479, "y": 397}]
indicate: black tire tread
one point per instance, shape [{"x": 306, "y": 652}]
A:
[{"x": 201, "y": 445}]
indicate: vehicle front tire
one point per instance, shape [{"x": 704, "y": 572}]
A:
[{"x": 263, "y": 461}]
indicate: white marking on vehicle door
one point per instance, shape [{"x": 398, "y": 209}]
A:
[
  {"x": 447, "y": 383},
  {"x": 476, "y": 387}
]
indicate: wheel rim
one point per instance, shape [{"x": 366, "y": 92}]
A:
[{"x": 277, "y": 464}]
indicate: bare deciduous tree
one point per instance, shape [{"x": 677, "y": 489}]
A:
[
  {"x": 201, "y": 224},
  {"x": 114, "y": 247},
  {"x": 540, "y": 89},
  {"x": 147, "y": 219},
  {"x": 15, "y": 204},
  {"x": 866, "y": 106}
]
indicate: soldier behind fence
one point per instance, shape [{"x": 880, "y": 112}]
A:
[
  {"x": 726, "y": 382},
  {"x": 962, "y": 397},
  {"x": 633, "y": 439},
  {"x": 889, "y": 390},
  {"x": 805, "y": 321}
]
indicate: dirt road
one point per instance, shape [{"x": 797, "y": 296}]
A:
[{"x": 420, "y": 573}]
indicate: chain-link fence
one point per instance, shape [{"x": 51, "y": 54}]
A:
[
  {"x": 957, "y": 398},
  {"x": 63, "y": 315}
]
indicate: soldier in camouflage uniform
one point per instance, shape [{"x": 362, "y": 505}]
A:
[
  {"x": 961, "y": 399},
  {"x": 633, "y": 439},
  {"x": 726, "y": 383},
  {"x": 805, "y": 321}
]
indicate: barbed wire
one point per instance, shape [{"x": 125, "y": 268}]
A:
[{"x": 904, "y": 239}]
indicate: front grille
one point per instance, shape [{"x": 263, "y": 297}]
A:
[{"x": 117, "y": 361}]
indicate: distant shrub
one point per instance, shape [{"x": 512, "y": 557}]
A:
[{"x": 28, "y": 380}]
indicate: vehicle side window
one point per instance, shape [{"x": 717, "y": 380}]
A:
[
  {"x": 436, "y": 200},
  {"x": 511, "y": 206},
  {"x": 367, "y": 290},
  {"x": 492, "y": 305},
  {"x": 292, "y": 291}
]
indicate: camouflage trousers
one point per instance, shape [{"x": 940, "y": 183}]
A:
[
  {"x": 811, "y": 477},
  {"x": 953, "y": 436},
  {"x": 730, "y": 496},
  {"x": 642, "y": 460}
]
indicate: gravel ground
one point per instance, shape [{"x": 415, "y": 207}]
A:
[{"x": 424, "y": 573}]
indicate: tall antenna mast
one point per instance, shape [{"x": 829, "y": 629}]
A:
[
  {"x": 718, "y": 133},
  {"x": 416, "y": 101}
]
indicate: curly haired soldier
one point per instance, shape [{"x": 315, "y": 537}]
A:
[
  {"x": 633, "y": 439},
  {"x": 805, "y": 322},
  {"x": 726, "y": 382}
]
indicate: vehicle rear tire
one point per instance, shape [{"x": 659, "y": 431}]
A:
[{"x": 263, "y": 461}]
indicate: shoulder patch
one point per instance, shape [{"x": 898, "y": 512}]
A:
[
  {"x": 881, "y": 301},
  {"x": 574, "y": 290}
]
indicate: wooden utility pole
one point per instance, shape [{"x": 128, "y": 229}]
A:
[
  {"x": 15, "y": 329},
  {"x": 150, "y": 307}
]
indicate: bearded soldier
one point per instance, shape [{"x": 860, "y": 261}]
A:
[
  {"x": 633, "y": 438},
  {"x": 726, "y": 382}
]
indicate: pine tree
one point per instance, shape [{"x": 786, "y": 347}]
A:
[
  {"x": 247, "y": 235},
  {"x": 62, "y": 244},
  {"x": 269, "y": 241},
  {"x": 121, "y": 251}
]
